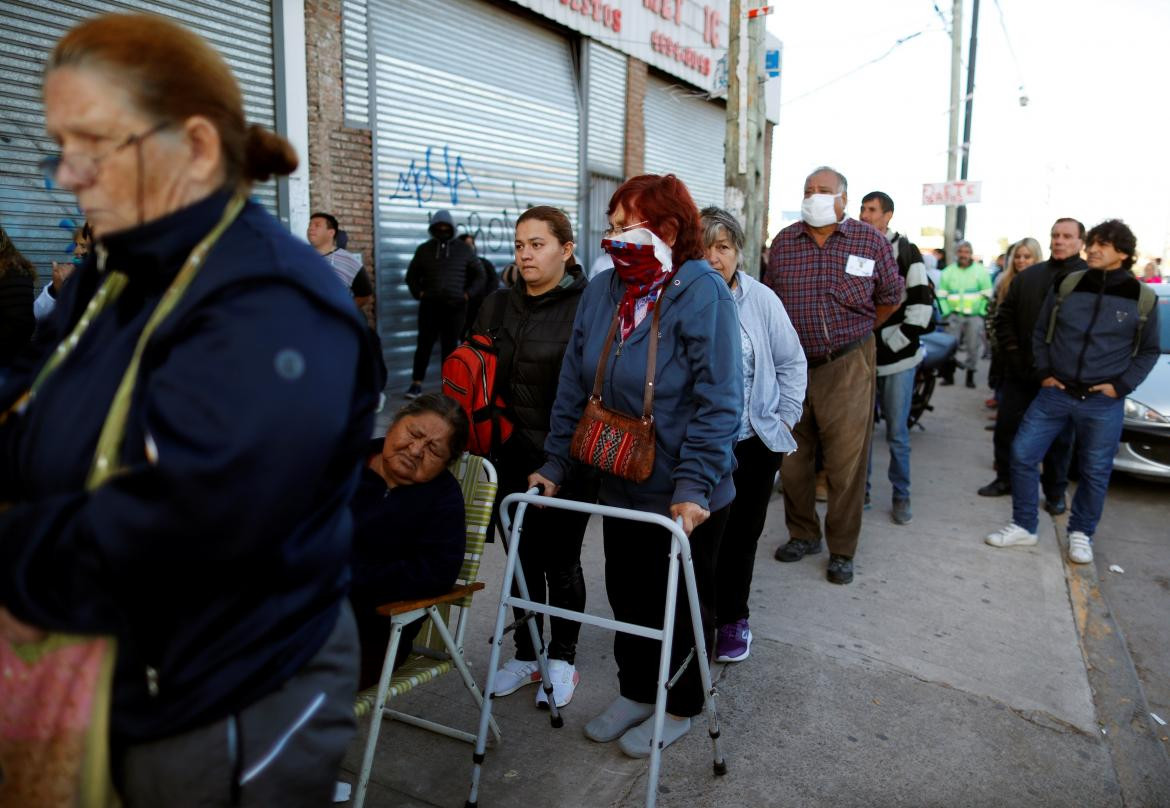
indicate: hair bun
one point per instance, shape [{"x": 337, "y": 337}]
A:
[{"x": 267, "y": 154}]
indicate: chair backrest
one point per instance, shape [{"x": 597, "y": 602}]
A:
[{"x": 477, "y": 478}]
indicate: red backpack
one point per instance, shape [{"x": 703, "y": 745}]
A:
[{"x": 471, "y": 376}]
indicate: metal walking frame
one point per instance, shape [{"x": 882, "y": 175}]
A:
[{"x": 680, "y": 548}]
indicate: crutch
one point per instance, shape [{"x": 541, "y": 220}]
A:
[{"x": 680, "y": 550}]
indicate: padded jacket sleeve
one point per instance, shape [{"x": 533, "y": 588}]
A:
[{"x": 245, "y": 457}]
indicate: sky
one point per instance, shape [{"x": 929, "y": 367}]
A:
[{"x": 1091, "y": 143}]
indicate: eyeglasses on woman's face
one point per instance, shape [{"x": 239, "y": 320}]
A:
[
  {"x": 615, "y": 230},
  {"x": 83, "y": 168}
]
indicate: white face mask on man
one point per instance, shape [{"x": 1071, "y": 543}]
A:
[{"x": 819, "y": 210}]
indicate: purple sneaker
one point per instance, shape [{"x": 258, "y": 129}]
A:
[{"x": 734, "y": 642}]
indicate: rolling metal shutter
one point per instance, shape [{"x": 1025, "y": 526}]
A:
[
  {"x": 684, "y": 137},
  {"x": 606, "y": 144},
  {"x": 475, "y": 110},
  {"x": 355, "y": 63},
  {"x": 40, "y": 221}
]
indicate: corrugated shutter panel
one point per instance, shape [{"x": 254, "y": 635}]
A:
[
  {"x": 684, "y": 137},
  {"x": 606, "y": 143},
  {"x": 356, "y": 63},
  {"x": 485, "y": 132},
  {"x": 40, "y": 220},
  {"x": 601, "y": 189}
]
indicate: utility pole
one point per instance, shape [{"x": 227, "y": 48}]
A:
[
  {"x": 743, "y": 148},
  {"x": 961, "y": 214},
  {"x": 756, "y": 103},
  {"x": 734, "y": 192},
  {"x": 953, "y": 132}
]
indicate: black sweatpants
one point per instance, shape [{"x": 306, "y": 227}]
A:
[
  {"x": 1014, "y": 398},
  {"x": 550, "y": 556},
  {"x": 636, "y": 560},
  {"x": 755, "y": 479},
  {"x": 439, "y": 319}
]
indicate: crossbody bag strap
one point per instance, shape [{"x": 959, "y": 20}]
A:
[
  {"x": 600, "y": 376},
  {"x": 105, "y": 459},
  {"x": 651, "y": 365},
  {"x": 651, "y": 360}
]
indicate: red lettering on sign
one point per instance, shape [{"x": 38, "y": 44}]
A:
[
  {"x": 689, "y": 57},
  {"x": 599, "y": 11},
  {"x": 711, "y": 20}
]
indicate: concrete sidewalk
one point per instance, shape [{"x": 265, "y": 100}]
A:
[{"x": 948, "y": 674}]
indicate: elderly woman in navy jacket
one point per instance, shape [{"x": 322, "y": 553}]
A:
[
  {"x": 774, "y": 376},
  {"x": 698, "y": 404},
  {"x": 177, "y": 468}
]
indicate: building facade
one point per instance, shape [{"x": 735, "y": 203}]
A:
[
  {"x": 488, "y": 107},
  {"x": 405, "y": 107}
]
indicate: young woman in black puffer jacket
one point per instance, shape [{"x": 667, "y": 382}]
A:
[{"x": 536, "y": 323}]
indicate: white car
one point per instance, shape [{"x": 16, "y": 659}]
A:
[{"x": 1145, "y": 438}]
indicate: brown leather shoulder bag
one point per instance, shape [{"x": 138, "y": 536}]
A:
[{"x": 612, "y": 441}]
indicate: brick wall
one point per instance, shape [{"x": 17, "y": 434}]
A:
[
  {"x": 635, "y": 156},
  {"x": 341, "y": 177}
]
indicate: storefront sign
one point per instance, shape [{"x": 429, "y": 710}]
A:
[{"x": 684, "y": 38}]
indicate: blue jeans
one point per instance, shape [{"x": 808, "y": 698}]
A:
[
  {"x": 1096, "y": 421},
  {"x": 893, "y": 396}
]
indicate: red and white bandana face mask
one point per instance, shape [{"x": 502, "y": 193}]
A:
[{"x": 643, "y": 261}]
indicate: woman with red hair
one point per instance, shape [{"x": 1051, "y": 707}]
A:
[{"x": 655, "y": 241}]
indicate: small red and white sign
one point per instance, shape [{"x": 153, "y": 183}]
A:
[{"x": 959, "y": 192}]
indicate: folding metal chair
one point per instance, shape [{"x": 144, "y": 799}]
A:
[
  {"x": 439, "y": 646},
  {"x": 680, "y": 550}
]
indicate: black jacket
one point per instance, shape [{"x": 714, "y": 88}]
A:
[
  {"x": 219, "y": 558},
  {"x": 16, "y": 314},
  {"x": 408, "y": 541},
  {"x": 447, "y": 269},
  {"x": 1095, "y": 336},
  {"x": 1016, "y": 317},
  {"x": 532, "y": 342}
]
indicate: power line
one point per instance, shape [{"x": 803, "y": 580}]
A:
[
  {"x": 860, "y": 67},
  {"x": 1011, "y": 49}
]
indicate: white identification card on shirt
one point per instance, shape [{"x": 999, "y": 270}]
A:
[{"x": 857, "y": 265}]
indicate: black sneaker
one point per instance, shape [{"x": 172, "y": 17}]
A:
[
  {"x": 996, "y": 488},
  {"x": 840, "y": 569},
  {"x": 797, "y": 549},
  {"x": 1055, "y": 506},
  {"x": 413, "y": 392}
]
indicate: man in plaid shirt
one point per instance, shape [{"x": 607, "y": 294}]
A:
[{"x": 838, "y": 280}]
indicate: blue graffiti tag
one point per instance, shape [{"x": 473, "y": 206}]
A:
[
  {"x": 419, "y": 183},
  {"x": 497, "y": 235}
]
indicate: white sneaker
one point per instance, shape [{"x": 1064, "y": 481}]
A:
[
  {"x": 564, "y": 678},
  {"x": 1080, "y": 548},
  {"x": 515, "y": 674},
  {"x": 1011, "y": 536}
]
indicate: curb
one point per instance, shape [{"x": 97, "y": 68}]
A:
[{"x": 1123, "y": 714}]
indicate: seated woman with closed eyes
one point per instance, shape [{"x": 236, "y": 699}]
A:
[{"x": 409, "y": 531}]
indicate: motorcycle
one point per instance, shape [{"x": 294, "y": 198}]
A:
[{"x": 940, "y": 348}]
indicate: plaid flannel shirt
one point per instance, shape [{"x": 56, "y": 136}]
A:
[{"x": 829, "y": 306}]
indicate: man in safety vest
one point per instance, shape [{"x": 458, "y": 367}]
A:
[{"x": 964, "y": 291}]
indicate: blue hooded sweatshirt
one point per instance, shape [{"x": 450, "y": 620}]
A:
[
  {"x": 219, "y": 557},
  {"x": 698, "y": 389}
]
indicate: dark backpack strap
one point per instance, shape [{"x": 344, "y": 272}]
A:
[
  {"x": 1067, "y": 284},
  {"x": 1147, "y": 299}
]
